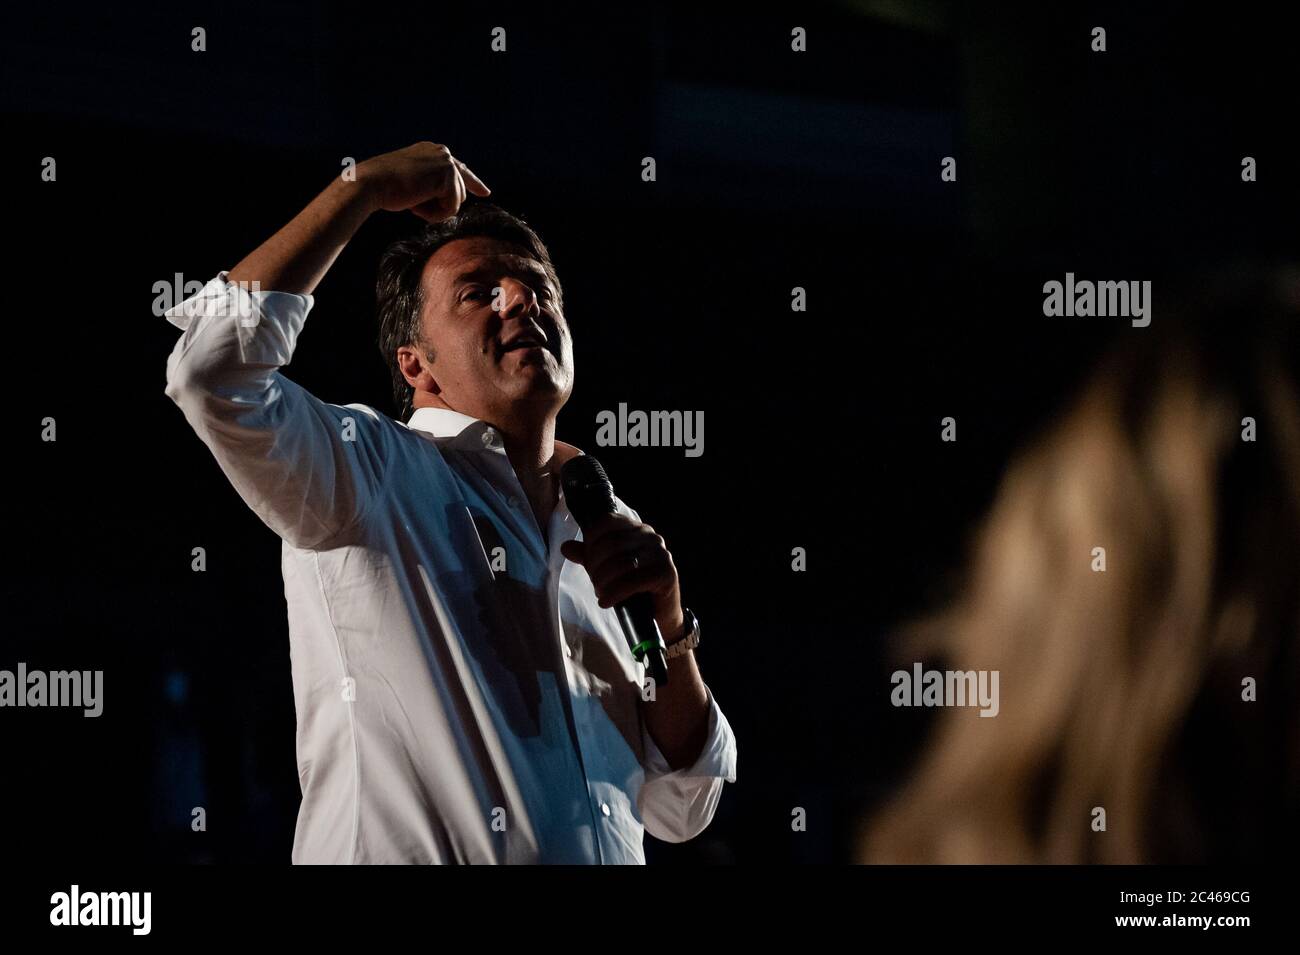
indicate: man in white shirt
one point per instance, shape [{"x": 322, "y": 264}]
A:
[{"x": 464, "y": 692}]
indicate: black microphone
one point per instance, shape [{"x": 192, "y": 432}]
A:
[{"x": 590, "y": 496}]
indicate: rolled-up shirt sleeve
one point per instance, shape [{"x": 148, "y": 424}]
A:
[
  {"x": 677, "y": 805},
  {"x": 307, "y": 468}
]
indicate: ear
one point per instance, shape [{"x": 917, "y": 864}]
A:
[{"x": 415, "y": 367}]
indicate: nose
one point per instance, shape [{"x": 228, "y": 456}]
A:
[{"x": 518, "y": 300}]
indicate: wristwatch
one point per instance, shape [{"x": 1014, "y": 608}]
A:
[{"x": 691, "y": 638}]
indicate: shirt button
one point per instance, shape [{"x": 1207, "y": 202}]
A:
[
  {"x": 514, "y": 501},
  {"x": 489, "y": 438},
  {"x": 604, "y": 807}
]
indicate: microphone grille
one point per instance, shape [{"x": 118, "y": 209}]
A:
[{"x": 588, "y": 492}]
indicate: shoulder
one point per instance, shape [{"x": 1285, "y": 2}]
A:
[
  {"x": 361, "y": 424},
  {"x": 368, "y": 411},
  {"x": 364, "y": 417},
  {"x": 565, "y": 452}
]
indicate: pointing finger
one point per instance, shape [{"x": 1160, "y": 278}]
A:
[{"x": 472, "y": 182}]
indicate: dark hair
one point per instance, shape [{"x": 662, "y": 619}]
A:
[{"x": 400, "y": 293}]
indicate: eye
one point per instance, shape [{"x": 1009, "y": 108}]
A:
[{"x": 474, "y": 293}]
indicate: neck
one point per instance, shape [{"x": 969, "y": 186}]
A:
[
  {"x": 536, "y": 458},
  {"x": 531, "y": 449}
]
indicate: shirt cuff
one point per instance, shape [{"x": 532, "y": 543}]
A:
[
  {"x": 221, "y": 297},
  {"x": 716, "y": 760}
]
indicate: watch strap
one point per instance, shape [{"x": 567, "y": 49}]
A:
[{"x": 690, "y": 640}]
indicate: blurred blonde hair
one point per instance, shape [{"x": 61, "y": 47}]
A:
[{"x": 1114, "y": 684}]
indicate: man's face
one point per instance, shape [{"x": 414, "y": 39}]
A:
[{"x": 495, "y": 356}]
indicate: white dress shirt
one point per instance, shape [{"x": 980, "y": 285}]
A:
[{"x": 460, "y": 695}]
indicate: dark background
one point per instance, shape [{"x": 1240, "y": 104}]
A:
[{"x": 775, "y": 170}]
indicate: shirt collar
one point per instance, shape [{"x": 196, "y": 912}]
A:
[
  {"x": 440, "y": 422},
  {"x": 469, "y": 432}
]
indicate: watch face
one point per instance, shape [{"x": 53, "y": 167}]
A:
[{"x": 692, "y": 635}]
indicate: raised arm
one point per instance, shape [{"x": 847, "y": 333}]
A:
[
  {"x": 424, "y": 178},
  {"x": 309, "y": 469}
]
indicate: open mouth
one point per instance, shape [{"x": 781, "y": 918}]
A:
[{"x": 522, "y": 342}]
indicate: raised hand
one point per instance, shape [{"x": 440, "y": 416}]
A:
[{"x": 424, "y": 178}]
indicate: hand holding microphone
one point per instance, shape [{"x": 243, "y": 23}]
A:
[{"x": 629, "y": 564}]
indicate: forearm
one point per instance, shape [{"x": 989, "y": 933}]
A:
[
  {"x": 297, "y": 257},
  {"x": 677, "y": 718},
  {"x": 684, "y": 730}
]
